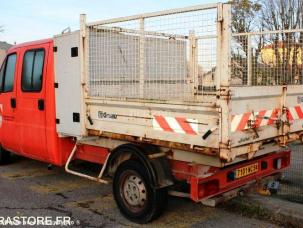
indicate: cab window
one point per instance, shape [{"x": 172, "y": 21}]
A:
[
  {"x": 32, "y": 71},
  {"x": 7, "y": 74},
  {"x": 2, "y": 74}
]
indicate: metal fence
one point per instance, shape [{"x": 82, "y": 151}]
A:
[
  {"x": 267, "y": 58},
  {"x": 171, "y": 55},
  {"x": 292, "y": 184}
]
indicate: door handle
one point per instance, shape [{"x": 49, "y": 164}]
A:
[
  {"x": 13, "y": 102},
  {"x": 41, "y": 104}
]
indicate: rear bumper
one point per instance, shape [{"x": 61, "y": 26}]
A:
[{"x": 225, "y": 180}]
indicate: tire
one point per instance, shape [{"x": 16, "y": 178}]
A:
[
  {"x": 5, "y": 156},
  {"x": 136, "y": 199}
]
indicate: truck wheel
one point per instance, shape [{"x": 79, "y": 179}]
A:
[
  {"x": 137, "y": 200},
  {"x": 5, "y": 156}
]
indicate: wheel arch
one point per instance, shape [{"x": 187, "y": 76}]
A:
[{"x": 158, "y": 169}]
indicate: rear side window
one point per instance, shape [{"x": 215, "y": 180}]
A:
[
  {"x": 7, "y": 74},
  {"x": 32, "y": 71},
  {"x": 2, "y": 75}
]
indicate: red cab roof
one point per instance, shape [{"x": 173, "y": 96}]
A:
[{"x": 32, "y": 43}]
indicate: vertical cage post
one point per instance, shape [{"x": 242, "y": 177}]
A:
[
  {"x": 84, "y": 73},
  {"x": 219, "y": 44},
  {"x": 193, "y": 62},
  {"x": 249, "y": 60},
  {"x": 223, "y": 46},
  {"x": 223, "y": 77},
  {"x": 142, "y": 57},
  {"x": 82, "y": 46}
]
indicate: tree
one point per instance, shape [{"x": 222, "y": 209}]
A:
[{"x": 243, "y": 15}]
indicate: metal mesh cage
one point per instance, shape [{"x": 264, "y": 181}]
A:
[{"x": 171, "y": 56}]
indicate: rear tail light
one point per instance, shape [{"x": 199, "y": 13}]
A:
[
  {"x": 286, "y": 161},
  {"x": 278, "y": 163},
  {"x": 208, "y": 188},
  {"x": 282, "y": 162}
]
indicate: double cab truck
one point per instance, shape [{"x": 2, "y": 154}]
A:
[{"x": 160, "y": 101}]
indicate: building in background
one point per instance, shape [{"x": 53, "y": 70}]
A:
[{"x": 3, "y": 49}]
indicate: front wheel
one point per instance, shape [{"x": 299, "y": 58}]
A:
[
  {"x": 137, "y": 200},
  {"x": 5, "y": 156}
]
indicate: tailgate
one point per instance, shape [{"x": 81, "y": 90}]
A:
[{"x": 260, "y": 113}]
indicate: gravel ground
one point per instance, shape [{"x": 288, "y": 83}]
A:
[{"x": 27, "y": 188}]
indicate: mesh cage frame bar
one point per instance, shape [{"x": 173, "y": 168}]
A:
[
  {"x": 155, "y": 14},
  {"x": 195, "y": 91}
]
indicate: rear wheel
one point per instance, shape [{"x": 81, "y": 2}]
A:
[
  {"x": 137, "y": 200},
  {"x": 5, "y": 156}
]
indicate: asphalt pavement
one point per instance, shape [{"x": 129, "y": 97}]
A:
[{"x": 28, "y": 188}]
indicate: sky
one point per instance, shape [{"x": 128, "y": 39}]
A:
[{"x": 28, "y": 20}]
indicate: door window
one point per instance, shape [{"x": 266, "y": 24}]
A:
[
  {"x": 7, "y": 74},
  {"x": 32, "y": 71}
]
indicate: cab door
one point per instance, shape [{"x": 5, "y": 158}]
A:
[
  {"x": 9, "y": 128},
  {"x": 31, "y": 101}
]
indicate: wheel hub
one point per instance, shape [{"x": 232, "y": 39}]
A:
[{"x": 134, "y": 191}]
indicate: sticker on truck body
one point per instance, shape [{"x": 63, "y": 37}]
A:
[
  {"x": 245, "y": 121},
  {"x": 179, "y": 125}
]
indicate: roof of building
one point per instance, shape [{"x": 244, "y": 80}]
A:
[{"x": 5, "y": 46}]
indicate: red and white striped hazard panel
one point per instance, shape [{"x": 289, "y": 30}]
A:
[
  {"x": 263, "y": 118},
  {"x": 179, "y": 125},
  {"x": 295, "y": 113}
]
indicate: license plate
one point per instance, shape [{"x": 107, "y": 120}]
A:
[{"x": 247, "y": 170}]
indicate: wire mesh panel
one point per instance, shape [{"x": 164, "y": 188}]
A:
[
  {"x": 113, "y": 63},
  {"x": 267, "y": 58},
  {"x": 170, "y": 56}
]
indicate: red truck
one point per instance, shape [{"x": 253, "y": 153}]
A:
[{"x": 132, "y": 94}]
